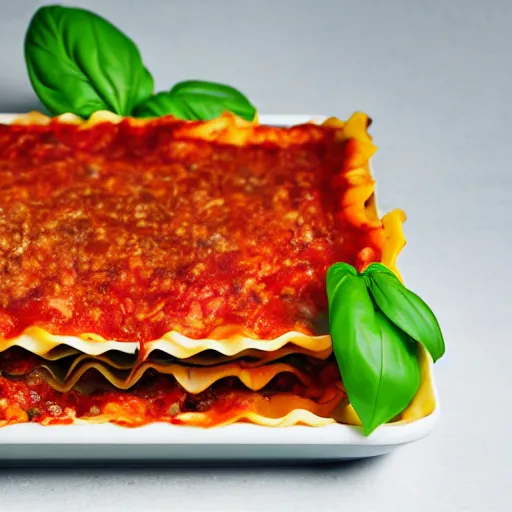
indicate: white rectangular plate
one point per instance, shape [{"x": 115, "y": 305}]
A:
[{"x": 34, "y": 444}]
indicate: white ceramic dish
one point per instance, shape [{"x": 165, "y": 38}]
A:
[{"x": 163, "y": 443}]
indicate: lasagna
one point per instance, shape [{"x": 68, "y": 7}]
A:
[{"x": 162, "y": 270}]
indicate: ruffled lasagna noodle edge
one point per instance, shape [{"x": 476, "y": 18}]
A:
[
  {"x": 359, "y": 202},
  {"x": 194, "y": 380}
]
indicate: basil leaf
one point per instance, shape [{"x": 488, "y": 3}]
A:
[
  {"x": 164, "y": 104},
  {"x": 216, "y": 89},
  {"x": 400, "y": 373},
  {"x": 378, "y": 267},
  {"x": 378, "y": 364},
  {"x": 335, "y": 274},
  {"x": 197, "y": 101},
  {"x": 232, "y": 99},
  {"x": 406, "y": 310},
  {"x": 80, "y": 63}
]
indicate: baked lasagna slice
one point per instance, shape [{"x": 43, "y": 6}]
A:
[{"x": 174, "y": 271}]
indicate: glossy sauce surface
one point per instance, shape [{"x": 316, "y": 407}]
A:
[{"x": 129, "y": 232}]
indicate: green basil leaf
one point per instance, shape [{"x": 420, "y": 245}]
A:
[
  {"x": 80, "y": 63},
  {"x": 335, "y": 274},
  {"x": 164, "y": 104},
  {"x": 216, "y": 89},
  {"x": 377, "y": 361},
  {"x": 190, "y": 107},
  {"x": 231, "y": 98},
  {"x": 407, "y": 311},
  {"x": 400, "y": 373},
  {"x": 378, "y": 267}
]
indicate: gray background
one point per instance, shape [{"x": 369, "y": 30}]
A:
[{"x": 436, "y": 78}]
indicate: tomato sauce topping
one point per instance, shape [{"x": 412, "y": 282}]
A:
[{"x": 129, "y": 232}]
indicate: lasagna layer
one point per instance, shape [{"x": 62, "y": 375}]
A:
[
  {"x": 28, "y": 396},
  {"x": 172, "y": 234},
  {"x": 69, "y": 372},
  {"x": 120, "y": 359},
  {"x": 201, "y": 396}
]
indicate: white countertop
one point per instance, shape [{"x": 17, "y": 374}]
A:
[{"x": 436, "y": 77}]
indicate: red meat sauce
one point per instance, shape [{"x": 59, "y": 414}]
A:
[
  {"x": 129, "y": 232},
  {"x": 155, "y": 397}
]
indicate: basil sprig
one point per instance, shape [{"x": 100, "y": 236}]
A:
[
  {"x": 194, "y": 100},
  {"x": 80, "y": 63},
  {"x": 376, "y": 324}
]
